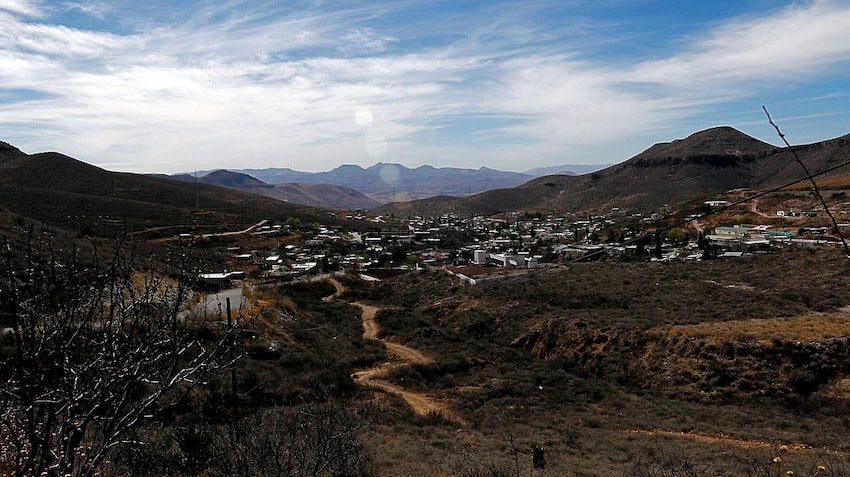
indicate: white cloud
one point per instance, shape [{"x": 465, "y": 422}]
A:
[
  {"x": 21, "y": 7},
  {"x": 257, "y": 88},
  {"x": 364, "y": 40},
  {"x": 44, "y": 39},
  {"x": 797, "y": 42},
  {"x": 93, "y": 9}
]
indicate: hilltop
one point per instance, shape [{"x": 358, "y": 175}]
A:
[{"x": 700, "y": 165}]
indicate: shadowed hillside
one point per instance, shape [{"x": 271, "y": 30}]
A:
[{"x": 58, "y": 189}]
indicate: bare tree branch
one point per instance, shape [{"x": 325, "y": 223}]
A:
[
  {"x": 811, "y": 179},
  {"x": 95, "y": 350}
]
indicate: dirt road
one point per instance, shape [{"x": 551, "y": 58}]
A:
[
  {"x": 421, "y": 403},
  {"x": 697, "y": 226},
  {"x": 402, "y": 355},
  {"x": 340, "y": 289},
  {"x": 238, "y": 232},
  {"x": 371, "y": 329},
  {"x": 754, "y": 208},
  {"x": 720, "y": 439}
]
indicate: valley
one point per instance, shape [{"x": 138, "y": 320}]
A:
[
  {"x": 705, "y": 335},
  {"x": 448, "y": 239}
]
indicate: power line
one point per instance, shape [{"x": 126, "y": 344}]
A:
[{"x": 814, "y": 184}]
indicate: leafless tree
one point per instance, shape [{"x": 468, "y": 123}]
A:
[{"x": 88, "y": 353}]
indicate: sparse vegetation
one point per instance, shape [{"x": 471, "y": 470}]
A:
[
  {"x": 90, "y": 354},
  {"x": 621, "y": 366}
]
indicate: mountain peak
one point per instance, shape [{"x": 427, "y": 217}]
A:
[
  {"x": 716, "y": 141},
  {"x": 720, "y": 133},
  {"x": 223, "y": 177},
  {"x": 381, "y": 165},
  {"x": 347, "y": 167}
]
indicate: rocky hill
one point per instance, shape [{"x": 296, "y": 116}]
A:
[{"x": 700, "y": 165}]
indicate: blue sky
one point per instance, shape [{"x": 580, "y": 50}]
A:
[{"x": 168, "y": 86}]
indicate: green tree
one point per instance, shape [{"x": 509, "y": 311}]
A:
[{"x": 676, "y": 235}]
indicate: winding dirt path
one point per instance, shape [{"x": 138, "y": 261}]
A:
[
  {"x": 754, "y": 208},
  {"x": 340, "y": 289},
  {"x": 421, "y": 403},
  {"x": 402, "y": 355},
  {"x": 405, "y": 354},
  {"x": 724, "y": 439}
]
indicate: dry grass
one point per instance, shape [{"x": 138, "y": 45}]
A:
[
  {"x": 840, "y": 389},
  {"x": 480, "y": 271},
  {"x": 809, "y": 327},
  {"x": 830, "y": 182}
]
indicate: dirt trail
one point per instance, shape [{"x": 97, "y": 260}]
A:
[
  {"x": 721, "y": 439},
  {"x": 403, "y": 355},
  {"x": 371, "y": 329},
  {"x": 697, "y": 226},
  {"x": 340, "y": 289},
  {"x": 754, "y": 208}
]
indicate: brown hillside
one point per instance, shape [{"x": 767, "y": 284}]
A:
[
  {"x": 700, "y": 165},
  {"x": 59, "y": 189}
]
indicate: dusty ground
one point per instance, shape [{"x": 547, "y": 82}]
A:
[
  {"x": 402, "y": 355},
  {"x": 421, "y": 403}
]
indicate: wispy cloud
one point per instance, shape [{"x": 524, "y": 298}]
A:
[
  {"x": 364, "y": 40},
  {"x": 246, "y": 84},
  {"x": 21, "y": 7},
  {"x": 93, "y": 9},
  {"x": 800, "y": 41}
]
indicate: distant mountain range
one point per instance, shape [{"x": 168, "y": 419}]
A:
[
  {"x": 700, "y": 165},
  {"x": 319, "y": 195},
  {"x": 386, "y": 182},
  {"x": 57, "y": 189}
]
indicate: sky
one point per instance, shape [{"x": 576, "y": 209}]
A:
[{"x": 175, "y": 86}]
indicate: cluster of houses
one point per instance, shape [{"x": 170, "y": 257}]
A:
[
  {"x": 763, "y": 238},
  {"x": 521, "y": 259},
  {"x": 517, "y": 241}
]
